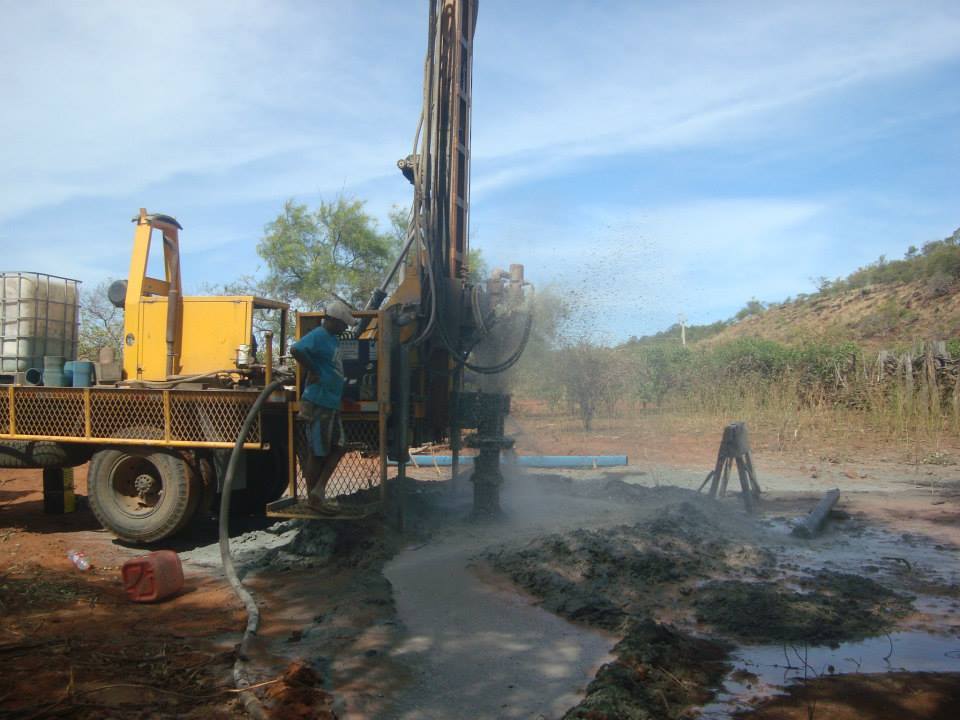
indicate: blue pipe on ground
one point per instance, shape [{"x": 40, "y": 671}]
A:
[{"x": 540, "y": 461}]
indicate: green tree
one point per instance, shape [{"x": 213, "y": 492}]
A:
[
  {"x": 311, "y": 255},
  {"x": 587, "y": 375},
  {"x": 336, "y": 249},
  {"x": 655, "y": 370},
  {"x": 101, "y": 324},
  {"x": 477, "y": 266},
  {"x": 754, "y": 307},
  {"x": 399, "y": 221}
]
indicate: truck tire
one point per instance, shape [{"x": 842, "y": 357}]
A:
[
  {"x": 37, "y": 454},
  {"x": 142, "y": 494}
]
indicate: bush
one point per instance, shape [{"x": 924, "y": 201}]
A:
[
  {"x": 748, "y": 356},
  {"x": 939, "y": 284},
  {"x": 588, "y": 375},
  {"x": 943, "y": 260},
  {"x": 887, "y": 317},
  {"x": 753, "y": 307}
]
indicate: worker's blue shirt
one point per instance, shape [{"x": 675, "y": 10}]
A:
[{"x": 325, "y": 377}]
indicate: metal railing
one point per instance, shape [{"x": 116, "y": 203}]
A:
[{"x": 127, "y": 416}]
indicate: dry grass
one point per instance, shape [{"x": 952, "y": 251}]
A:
[
  {"x": 862, "y": 315},
  {"x": 914, "y": 425}
]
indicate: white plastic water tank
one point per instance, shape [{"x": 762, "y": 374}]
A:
[{"x": 39, "y": 315}]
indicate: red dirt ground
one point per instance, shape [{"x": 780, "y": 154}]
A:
[{"x": 71, "y": 644}]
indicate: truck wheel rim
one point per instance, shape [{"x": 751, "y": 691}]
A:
[{"x": 136, "y": 486}]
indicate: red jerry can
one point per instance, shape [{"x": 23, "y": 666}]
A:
[{"x": 153, "y": 577}]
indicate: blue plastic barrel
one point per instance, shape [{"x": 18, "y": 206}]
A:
[
  {"x": 52, "y": 378},
  {"x": 82, "y": 373},
  {"x": 53, "y": 371}
]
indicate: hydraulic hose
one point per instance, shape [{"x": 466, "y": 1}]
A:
[
  {"x": 249, "y": 699},
  {"x": 174, "y": 381}
]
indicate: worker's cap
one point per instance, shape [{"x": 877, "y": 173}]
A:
[{"x": 339, "y": 310}]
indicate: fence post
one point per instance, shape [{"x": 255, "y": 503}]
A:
[
  {"x": 956, "y": 396},
  {"x": 908, "y": 388},
  {"x": 933, "y": 389}
]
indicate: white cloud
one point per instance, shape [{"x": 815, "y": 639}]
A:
[
  {"x": 595, "y": 82},
  {"x": 215, "y": 106},
  {"x": 106, "y": 98}
]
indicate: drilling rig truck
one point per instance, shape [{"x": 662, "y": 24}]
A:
[{"x": 157, "y": 426}]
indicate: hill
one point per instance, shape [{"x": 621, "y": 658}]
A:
[
  {"x": 881, "y": 305},
  {"x": 875, "y": 316}
]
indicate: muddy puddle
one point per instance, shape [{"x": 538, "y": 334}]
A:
[
  {"x": 858, "y": 599},
  {"x": 763, "y": 671},
  {"x": 480, "y": 649},
  {"x": 927, "y": 639}
]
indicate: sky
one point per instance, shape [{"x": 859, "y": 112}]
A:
[{"x": 650, "y": 159}]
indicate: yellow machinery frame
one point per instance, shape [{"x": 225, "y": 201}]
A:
[{"x": 166, "y": 334}]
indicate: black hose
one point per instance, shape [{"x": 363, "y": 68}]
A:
[
  {"x": 510, "y": 361},
  {"x": 250, "y": 701}
]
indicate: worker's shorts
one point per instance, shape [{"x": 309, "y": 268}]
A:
[{"x": 324, "y": 429}]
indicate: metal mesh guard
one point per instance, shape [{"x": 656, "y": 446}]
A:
[
  {"x": 126, "y": 414},
  {"x": 196, "y": 416},
  {"x": 50, "y": 411},
  {"x": 4, "y": 412},
  {"x": 210, "y": 416},
  {"x": 358, "y": 469}
]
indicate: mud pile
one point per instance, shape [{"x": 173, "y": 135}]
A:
[
  {"x": 300, "y": 695},
  {"x": 619, "y": 578},
  {"x": 604, "y": 577},
  {"x": 284, "y": 545},
  {"x": 686, "y": 570},
  {"x": 832, "y": 608},
  {"x": 659, "y": 672},
  {"x": 299, "y": 544}
]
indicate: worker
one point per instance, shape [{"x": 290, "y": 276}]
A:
[{"x": 318, "y": 353}]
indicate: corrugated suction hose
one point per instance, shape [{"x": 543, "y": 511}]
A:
[{"x": 251, "y": 702}]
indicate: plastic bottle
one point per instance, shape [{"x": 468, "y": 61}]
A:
[{"x": 78, "y": 558}]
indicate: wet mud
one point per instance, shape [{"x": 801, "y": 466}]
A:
[
  {"x": 699, "y": 592},
  {"x": 830, "y": 608},
  {"x": 606, "y": 576},
  {"x": 619, "y": 578},
  {"x": 660, "y": 672}
]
